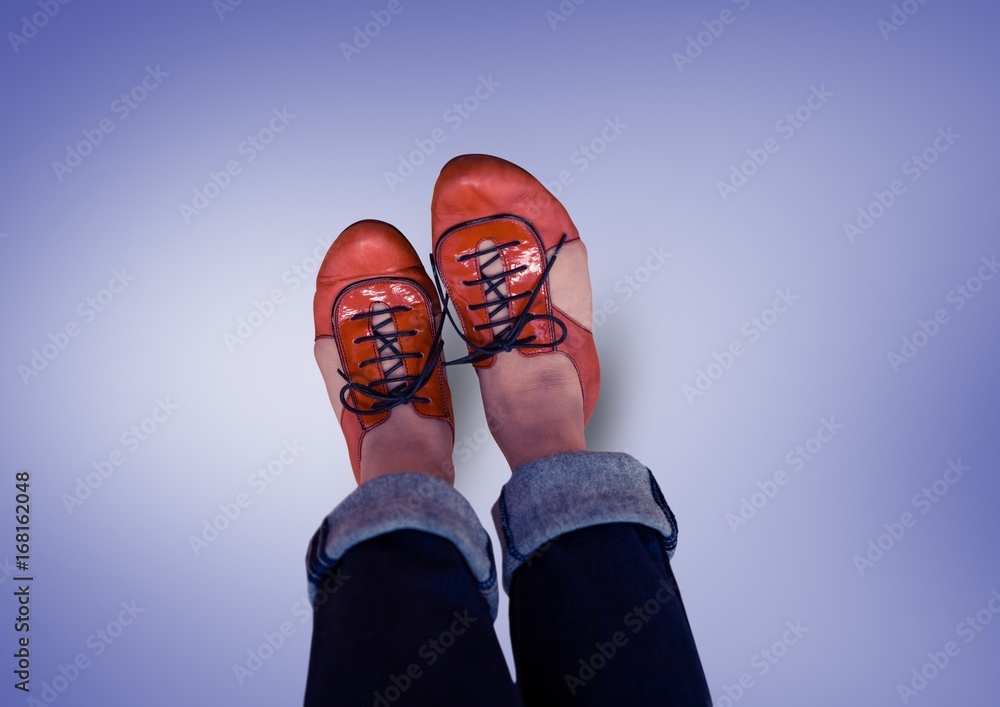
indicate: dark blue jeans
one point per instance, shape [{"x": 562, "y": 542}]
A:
[{"x": 596, "y": 620}]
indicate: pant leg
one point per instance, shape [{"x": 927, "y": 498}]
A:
[
  {"x": 596, "y": 618},
  {"x": 406, "y": 624},
  {"x": 404, "y": 594}
]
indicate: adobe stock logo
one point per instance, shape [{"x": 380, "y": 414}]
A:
[
  {"x": 363, "y": 36},
  {"x": 588, "y": 153},
  {"x": 131, "y": 438},
  {"x": 562, "y": 13},
  {"x": 229, "y": 512},
  {"x": 968, "y": 630},
  {"x": 430, "y": 652},
  {"x": 31, "y": 26},
  {"x": 901, "y": 14},
  {"x": 122, "y": 107},
  {"x": 700, "y": 42},
  {"x": 762, "y": 663},
  {"x": 796, "y": 459},
  {"x": 787, "y": 127},
  {"x": 753, "y": 329},
  {"x": 914, "y": 168},
  {"x": 225, "y": 6},
  {"x": 897, "y": 528},
  {"x": 302, "y": 610},
  {"x": 958, "y": 297},
  {"x": 248, "y": 149},
  {"x": 587, "y": 667},
  {"x": 455, "y": 118},
  {"x": 99, "y": 642},
  {"x": 629, "y": 286},
  {"x": 87, "y": 312},
  {"x": 294, "y": 276}
]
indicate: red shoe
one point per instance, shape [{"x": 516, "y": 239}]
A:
[
  {"x": 375, "y": 300},
  {"x": 497, "y": 232}
]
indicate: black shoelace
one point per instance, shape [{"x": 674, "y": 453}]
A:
[
  {"x": 396, "y": 389},
  {"x": 509, "y": 338}
]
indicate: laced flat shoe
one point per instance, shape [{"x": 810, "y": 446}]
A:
[
  {"x": 378, "y": 343},
  {"x": 497, "y": 233}
]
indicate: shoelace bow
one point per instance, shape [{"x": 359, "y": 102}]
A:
[
  {"x": 510, "y": 338},
  {"x": 405, "y": 386}
]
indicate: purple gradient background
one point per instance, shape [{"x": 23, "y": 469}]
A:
[{"x": 655, "y": 186}]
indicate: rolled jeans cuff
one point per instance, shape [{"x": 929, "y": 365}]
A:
[
  {"x": 568, "y": 491},
  {"x": 404, "y": 501}
]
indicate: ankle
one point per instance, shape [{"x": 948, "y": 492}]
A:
[
  {"x": 520, "y": 446},
  {"x": 408, "y": 443},
  {"x": 443, "y": 471},
  {"x": 415, "y": 458},
  {"x": 540, "y": 414}
]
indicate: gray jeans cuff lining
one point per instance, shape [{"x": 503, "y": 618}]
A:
[
  {"x": 568, "y": 491},
  {"x": 404, "y": 501}
]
